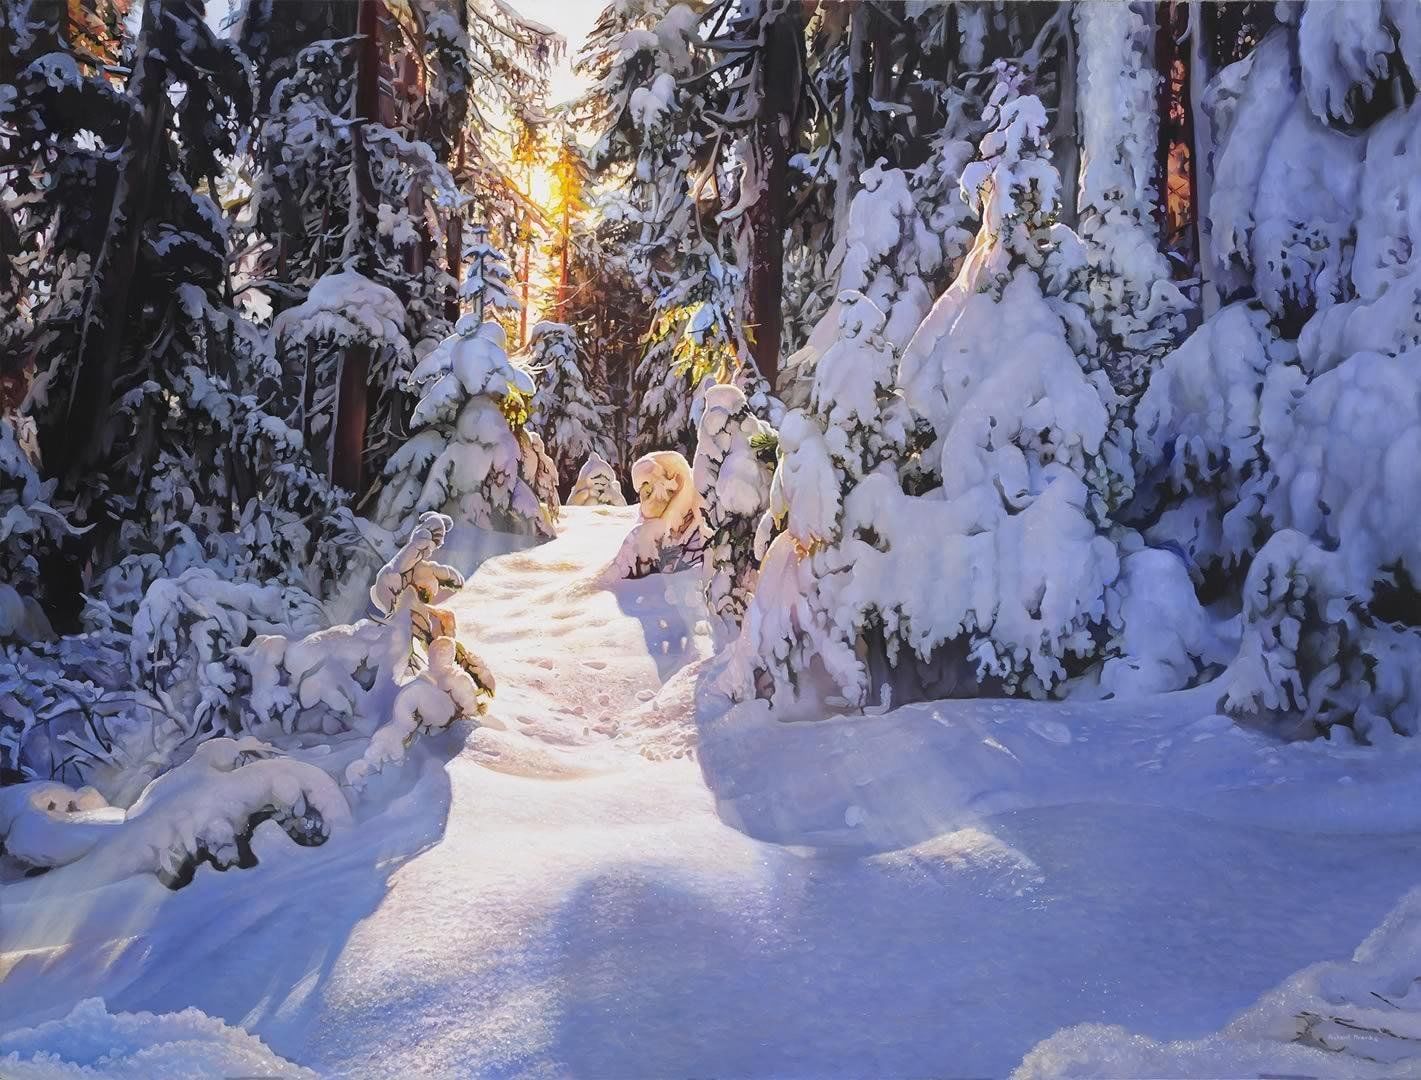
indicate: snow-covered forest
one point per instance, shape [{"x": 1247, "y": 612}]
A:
[{"x": 744, "y": 538}]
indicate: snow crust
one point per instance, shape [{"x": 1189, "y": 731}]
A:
[{"x": 92, "y": 1042}]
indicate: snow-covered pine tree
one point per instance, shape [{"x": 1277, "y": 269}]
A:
[
  {"x": 150, "y": 354},
  {"x": 735, "y": 454},
  {"x": 889, "y": 255},
  {"x": 488, "y": 279},
  {"x": 1027, "y": 476},
  {"x": 996, "y": 580},
  {"x": 469, "y": 455},
  {"x": 640, "y": 57},
  {"x": 1137, "y": 310},
  {"x": 1255, "y": 461},
  {"x": 852, "y": 426},
  {"x": 694, "y": 336},
  {"x": 344, "y": 311},
  {"x": 566, "y": 411}
]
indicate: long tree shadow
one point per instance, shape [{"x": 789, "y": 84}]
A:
[
  {"x": 252, "y": 947},
  {"x": 952, "y": 960},
  {"x": 668, "y": 607}
]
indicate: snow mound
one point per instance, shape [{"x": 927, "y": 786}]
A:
[
  {"x": 92, "y": 1042},
  {"x": 597, "y": 484}
]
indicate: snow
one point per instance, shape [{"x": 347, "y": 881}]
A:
[
  {"x": 1359, "y": 1017},
  {"x": 92, "y": 1042},
  {"x": 346, "y": 307},
  {"x": 1345, "y": 49},
  {"x": 597, "y": 484},
  {"x": 947, "y": 882}
]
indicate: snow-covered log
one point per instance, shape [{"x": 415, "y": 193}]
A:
[{"x": 202, "y": 811}]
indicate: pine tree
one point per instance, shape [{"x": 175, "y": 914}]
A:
[
  {"x": 469, "y": 456},
  {"x": 735, "y": 453},
  {"x": 488, "y": 280},
  {"x": 570, "y": 416}
]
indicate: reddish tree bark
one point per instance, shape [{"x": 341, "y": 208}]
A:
[
  {"x": 772, "y": 135},
  {"x": 352, "y": 407}
]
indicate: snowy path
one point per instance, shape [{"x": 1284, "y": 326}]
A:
[{"x": 561, "y": 897}]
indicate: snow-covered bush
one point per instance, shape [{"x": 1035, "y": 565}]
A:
[
  {"x": 735, "y": 452},
  {"x": 352, "y": 677},
  {"x": 1164, "y": 638},
  {"x": 1277, "y": 439},
  {"x": 1330, "y": 623},
  {"x": 185, "y": 629},
  {"x": 29, "y": 527},
  {"x": 597, "y": 484},
  {"x": 669, "y": 533},
  {"x": 566, "y": 410},
  {"x": 1198, "y": 437},
  {"x": 469, "y": 455}
]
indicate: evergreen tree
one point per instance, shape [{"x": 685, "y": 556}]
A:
[
  {"x": 570, "y": 416},
  {"x": 488, "y": 281},
  {"x": 469, "y": 456},
  {"x": 735, "y": 453}
]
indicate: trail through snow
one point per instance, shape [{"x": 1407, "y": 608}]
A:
[{"x": 574, "y": 888}]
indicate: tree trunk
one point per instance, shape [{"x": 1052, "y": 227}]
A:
[
  {"x": 454, "y": 241},
  {"x": 1201, "y": 152},
  {"x": 772, "y": 135},
  {"x": 74, "y": 440},
  {"x": 352, "y": 407},
  {"x": 562, "y": 268},
  {"x": 527, "y": 266},
  {"x": 1065, "y": 132},
  {"x": 855, "y": 106}
]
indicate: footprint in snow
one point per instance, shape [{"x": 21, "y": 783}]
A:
[{"x": 1051, "y": 730}]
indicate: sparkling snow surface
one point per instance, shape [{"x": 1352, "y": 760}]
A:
[{"x": 931, "y": 891}]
